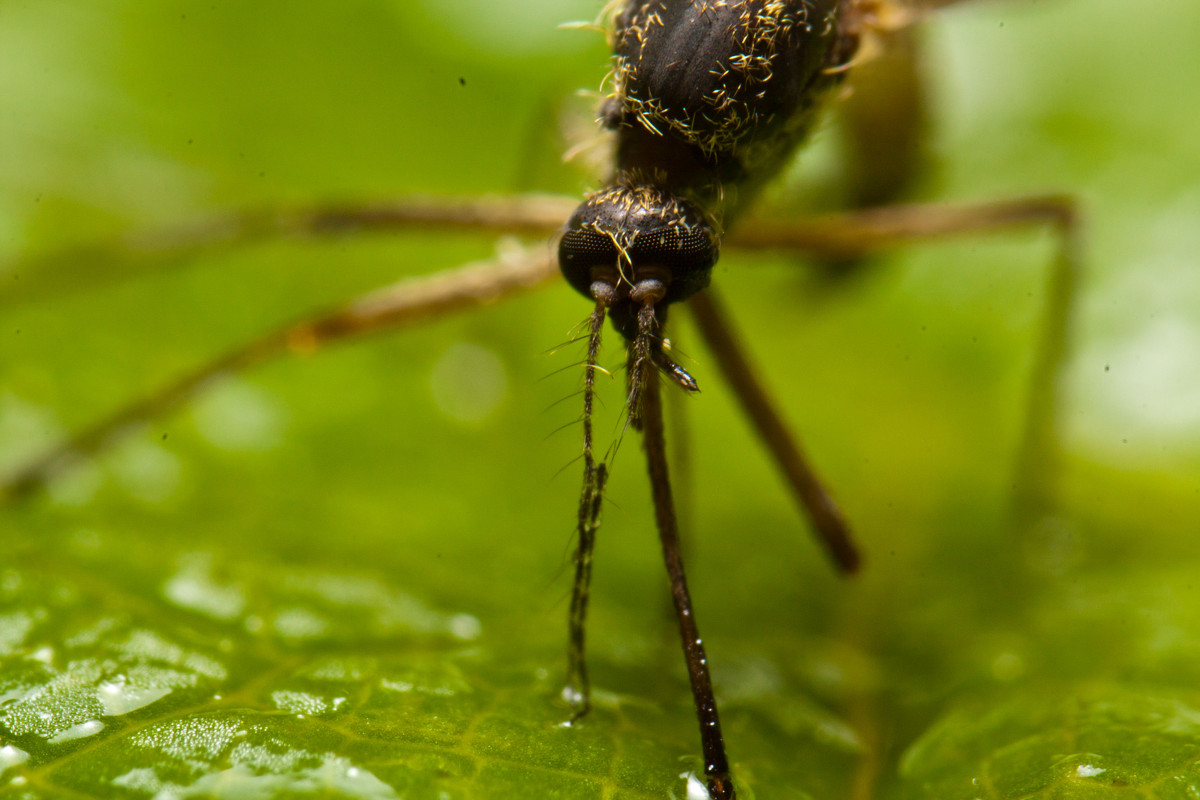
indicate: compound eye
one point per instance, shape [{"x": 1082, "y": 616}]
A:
[
  {"x": 579, "y": 250},
  {"x": 687, "y": 253}
]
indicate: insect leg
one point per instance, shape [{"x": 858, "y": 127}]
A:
[
  {"x": 403, "y": 303},
  {"x": 80, "y": 268},
  {"x": 831, "y": 528},
  {"x": 871, "y": 230},
  {"x": 577, "y": 691},
  {"x": 716, "y": 764}
]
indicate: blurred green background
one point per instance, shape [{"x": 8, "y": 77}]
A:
[{"x": 346, "y": 575}]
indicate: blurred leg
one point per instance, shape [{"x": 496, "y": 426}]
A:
[
  {"x": 404, "y": 303},
  {"x": 863, "y": 232}
]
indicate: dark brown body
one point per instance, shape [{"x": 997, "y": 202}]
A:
[{"x": 709, "y": 99}]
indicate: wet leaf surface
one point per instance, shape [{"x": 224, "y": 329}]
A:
[{"x": 346, "y": 575}]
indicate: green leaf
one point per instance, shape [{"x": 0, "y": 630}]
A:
[
  {"x": 1104, "y": 740},
  {"x": 345, "y": 575}
]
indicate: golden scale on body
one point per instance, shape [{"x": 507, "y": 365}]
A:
[{"x": 707, "y": 100}]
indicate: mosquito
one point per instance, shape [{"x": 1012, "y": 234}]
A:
[{"x": 706, "y": 101}]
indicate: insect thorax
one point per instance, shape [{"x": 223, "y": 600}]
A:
[{"x": 709, "y": 98}]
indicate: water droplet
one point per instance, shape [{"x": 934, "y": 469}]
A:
[{"x": 80, "y": 731}]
